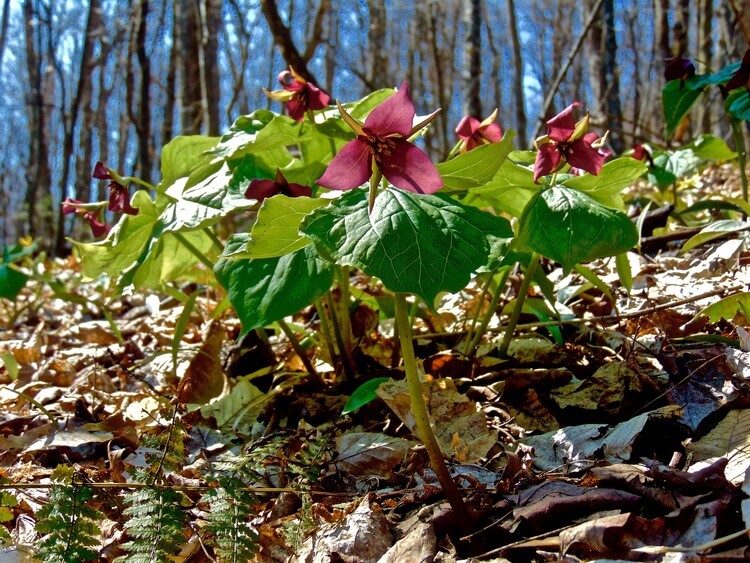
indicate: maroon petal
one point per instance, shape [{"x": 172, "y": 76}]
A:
[
  {"x": 297, "y": 190},
  {"x": 394, "y": 115},
  {"x": 562, "y": 126},
  {"x": 97, "y": 227},
  {"x": 547, "y": 160},
  {"x": 260, "y": 189},
  {"x": 582, "y": 155},
  {"x": 349, "y": 168},
  {"x": 100, "y": 171},
  {"x": 68, "y": 205},
  {"x": 493, "y": 133},
  {"x": 318, "y": 98},
  {"x": 296, "y": 109},
  {"x": 408, "y": 168},
  {"x": 467, "y": 127}
]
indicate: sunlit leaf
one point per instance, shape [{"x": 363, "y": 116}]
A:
[
  {"x": 715, "y": 230},
  {"x": 607, "y": 186},
  {"x": 414, "y": 243},
  {"x": 476, "y": 167},
  {"x": 728, "y": 308}
]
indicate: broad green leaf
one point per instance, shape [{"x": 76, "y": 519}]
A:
[
  {"x": 205, "y": 203},
  {"x": 11, "y": 282},
  {"x": 138, "y": 250},
  {"x": 728, "y": 308},
  {"x": 265, "y": 290},
  {"x": 721, "y": 77},
  {"x": 363, "y": 394},
  {"x": 511, "y": 188},
  {"x": 730, "y": 204},
  {"x": 124, "y": 244},
  {"x": 713, "y": 231},
  {"x": 362, "y": 108},
  {"x": 476, "y": 167},
  {"x": 613, "y": 178},
  {"x": 676, "y": 99},
  {"x": 737, "y": 104},
  {"x": 242, "y": 132},
  {"x": 568, "y": 226},
  {"x": 182, "y": 155},
  {"x": 276, "y": 230},
  {"x": 420, "y": 244},
  {"x": 708, "y": 147}
]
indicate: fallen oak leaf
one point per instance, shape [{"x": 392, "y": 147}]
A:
[{"x": 204, "y": 378}]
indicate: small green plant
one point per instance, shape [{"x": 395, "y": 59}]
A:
[
  {"x": 230, "y": 509},
  {"x": 69, "y": 524},
  {"x": 156, "y": 519}
]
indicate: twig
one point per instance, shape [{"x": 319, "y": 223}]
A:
[
  {"x": 111, "y": 485},
  {"x": 572, "y": 55}
]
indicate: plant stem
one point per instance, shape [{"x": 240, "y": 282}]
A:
[
  {"x": 477, "y": 311},
  {"x": 739, "y": 145},
  {"x": 471, "y": 350},
  {"x": 345, "y": 319},
  {"x": 343, "y": 352},
  {"x": 516, "y": 314},
  {"x": 287, "y": 330},
  {"x": 191, "y": 247},
  {"x": 325, "y": 329},
  {"x": 419, "y": 409}
]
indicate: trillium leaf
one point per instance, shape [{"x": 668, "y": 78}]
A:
[
  {"x": 676, "y": 99},
  {"x": 420, "y": 244},
  {"x": 571, "y": 228},
  {"x": 11, "y": 282},
  {"x": 476, "y": 167},
  {"x": 182, "y": 155},
  {"x": 728, "y": 308},
  {"x": 276, "y": 230},
  {"x": 613, "y": 178},
  {"x": 737, "y": 104},
  {"x": 265, "y": 290},
  {"x": 511, "y": 188}
]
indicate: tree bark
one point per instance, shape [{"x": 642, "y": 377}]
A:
[
  {"x": 38, "y": 174},
  {"x": 471, "y": 74},
  {"x": 282, "y": 37},
  {"x": 518, "y": 76},
  {"x": 211, "y": 84},
  {"x": 661, "y": 29},
  {"x": 611, "y": 78}
]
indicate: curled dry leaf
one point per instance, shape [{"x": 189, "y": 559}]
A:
[{"x": 204, "y": 378}]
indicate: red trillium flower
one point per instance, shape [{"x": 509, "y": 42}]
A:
[
  {"x": 89, "y": 212},
  {"x": 299, "y": 95},
  {"x": 741, "y": 76},
  {"x": 474, "y": 133},
  {"x": 119, "y": 198},
  {"x": 567, "y": 141},
  {"x": 640, "y": 152},
  {"x": 679, "y": 68},
  {"x": 260, "y": 189},
  {"x": 382, "y": 142}
]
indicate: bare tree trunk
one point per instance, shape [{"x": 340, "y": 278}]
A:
[
  {"x": 377, "y": 75},
  {"x": 611, "y": 78},
  {"x": 4, "y": 30},
  {"x": 594, "y": 54},
  {"x": 170, "y": 87},
  {"x": 681, "y": 28},
  {"x": 211, "y": 89},
  {"x": 705, "y": 44},
  {"x": 191, "y": 97},
  {"x": 38, "y": 174},
  {"x": 471, "y": 75},
  {"x": 518, "y": 76},
  {"x": 661, "y": 28}
]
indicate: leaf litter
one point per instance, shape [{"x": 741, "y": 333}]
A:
[{"x": 623, "y": 436}]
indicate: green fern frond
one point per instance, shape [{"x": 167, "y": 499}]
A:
[
  {"x": 156, "y": 520},
  {"x": 228, "y": 521},
  {"x": 156, "y": 525},
  {"x": 7, "y": 503},
  {"x": 71, "y": 526}
]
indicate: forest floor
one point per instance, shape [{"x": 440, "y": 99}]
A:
[{"x": 622, "y": 433}]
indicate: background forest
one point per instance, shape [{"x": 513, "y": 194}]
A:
[{"x": 113, "y": 80}]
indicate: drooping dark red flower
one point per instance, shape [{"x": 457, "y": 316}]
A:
[
  {"x": 299, "y": 95},
  {"x": 474, "y": 133},
  {"x": 568, "y": 141},
  {"x": 741, "y": 76},
  {"x": 382, "y": 142},
  {"x": 678, "y": 68},
  {"x": 260, "y": 189},
  {"x": 89, "y": 212},
  {"x": 119, "y": 197},
  {"x": 640, "y": 152}
]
